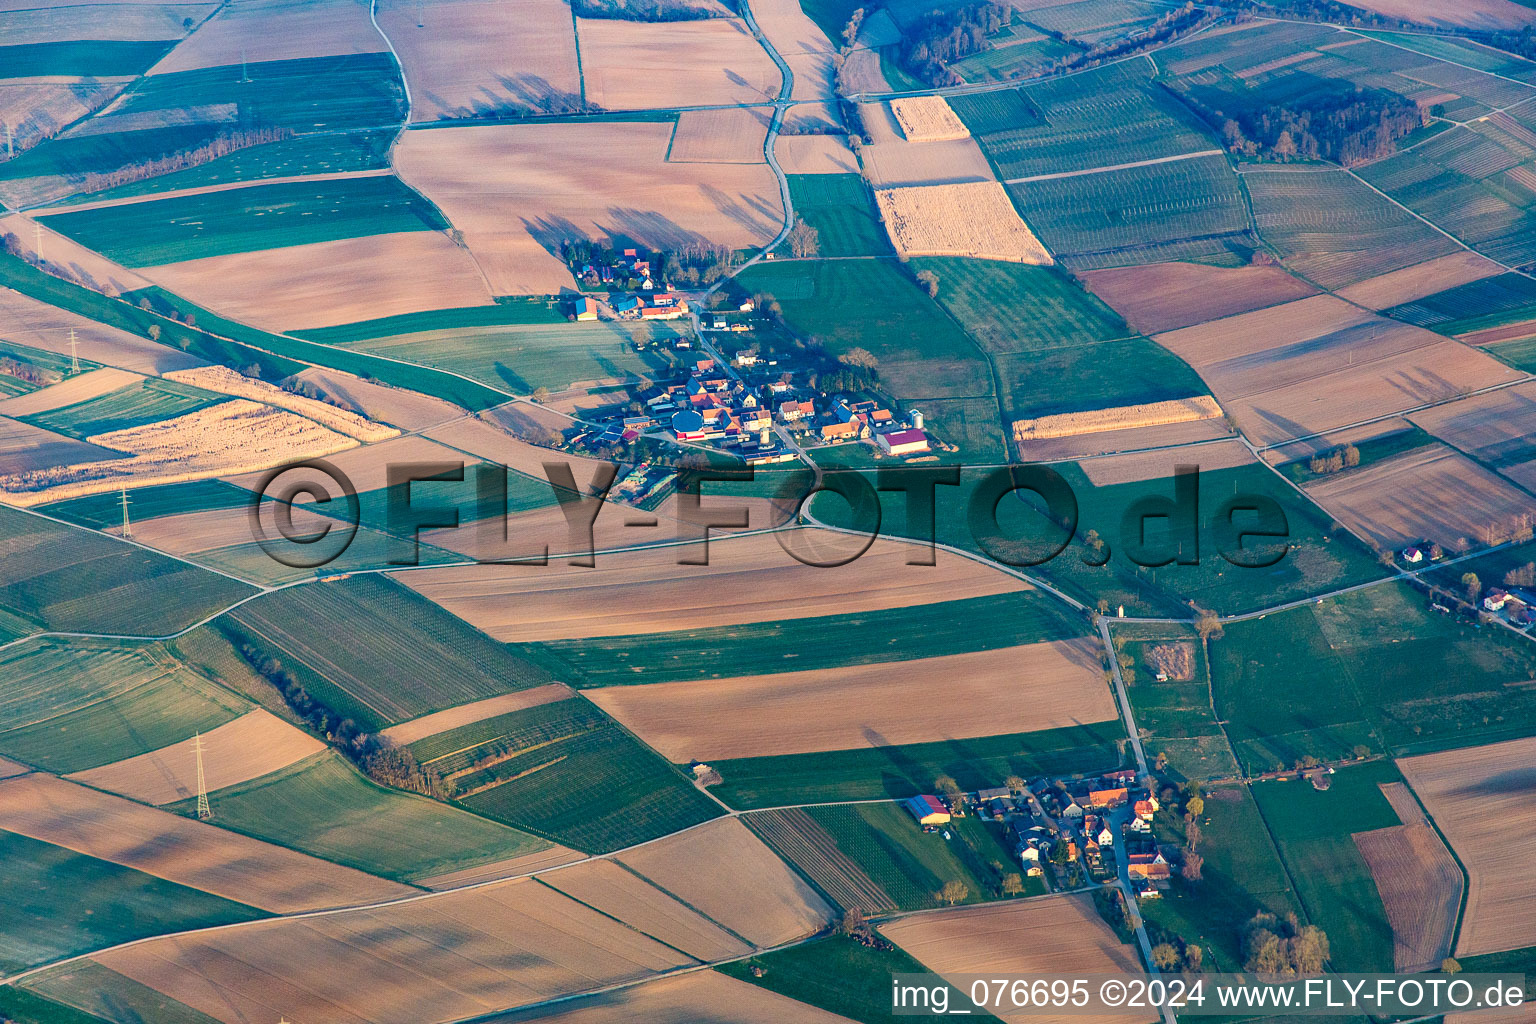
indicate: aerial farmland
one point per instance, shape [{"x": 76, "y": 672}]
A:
[{"x": 580, "y": 511}]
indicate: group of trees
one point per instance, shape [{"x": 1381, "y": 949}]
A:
[
  {"x": 699, "y": 263},
  {"x": 1283, "y": 946},
  {"x": 220, "y": 145},
  {"x": 1338, "y": 460},
  {"x": 1175, "y": 660},
  {"x": 804, "y": 240},
  {"x": 941, "y": 37},
  {"x": 1178, "y": 956},
  {"x": 27, "y": 372},
  {"x": 1338, "y": 121}
]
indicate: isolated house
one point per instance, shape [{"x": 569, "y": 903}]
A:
[{"x": 927, "y": 810}]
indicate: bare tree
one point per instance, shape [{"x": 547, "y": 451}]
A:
[{"x": 804, "y": 240}]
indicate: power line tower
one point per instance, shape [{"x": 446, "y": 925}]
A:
[
  {"x": 74, "y": 353},
  {"x": 204, "y": 812},
  {"x": 128, "y": 531}
]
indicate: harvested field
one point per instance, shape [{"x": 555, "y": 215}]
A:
[
  {"x": 973, "y": 219},
  {"x": 606, "y": 886},
  {"x": 1497, "y": 429},
  {"x": 1415, "y": 282},
  {"x": 1159, "y": 465},
  {"x": 862, "y": 73},
  {"x": 815, "y": 154},
  {"x": 85, "y": 265},
  {"x": 726, "y": 873},
  {"x": 513, "y": 867},
  {"x": 516, "y": 191},
  {"x": 30, "y": 322},
  {"x": 223, "y": 380},
  {"x": 380, "y": 402},
  {"x": 147, "y": 22},
  {"x": 1431, "y": 493},
  {"x": 1126, "y": 417},
  {"x": 689, "y": 999},
  {"x": 797, "y": 836},
  {"x": 406, "y": 733},
  {"x": 440, "y": 958},
  {"x": 1478, "y": 14},
  {"x": 899, "y": 164},
  {"x": 485, "y": 437},
  {"x": 262, "y": 30},
  {"x": 728, "y": 135},
  {"x": 181, "y": 850},
  {"x": 1168, "y": 296},
  {"x": 27, "y": 449},
  {"x": 791, "y": 31},
  {"x": 80, "y": 388},
  {"x": 928, "y": 119},
  {"x": 325, "y": 283},
  {"x": 476, "y": 57},
  {"x": 1060, "y": 935},
  {"x": 750, "y": 579},
  {"x": 1319, "y": 363},
  {"x": 368, "y": 465},
  {"x": 1009, "y": 690},
  {"x": 1110, "y": 441},
  {"x": 192, "y": 533},
  {"x": 1420, "y": 886},
  {"x": 237, "y": 436},
  {"x": 249, "y": 747},
  {"x": 637, "y": 65},
  {"x": 1480, "y": 797}
]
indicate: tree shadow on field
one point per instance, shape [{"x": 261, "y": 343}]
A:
[
  {"x": 512, "y": 379},
  {"x": 1515, "y": 780}
]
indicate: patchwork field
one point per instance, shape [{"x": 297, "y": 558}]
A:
[
  {"x": 892, "y": 160},
  {"x": 1168, "y": 296},
  {"x": 1018, "y": 689},
  {"x": 380, "y": 402},
  {"x": 407, "y": 733},
  {"x": 1419, "y": 881},
  {"x": 840, "y": 208},
  {"x": 814, "y": 154},
  {"x": 796, "y": 836},
  {"x": 75, "y": 389},
  {"x": 974, "y": 219},
  {"x": 554, "y": 170},
  {"x": 636, "y": 65},
  {"x": 605, "y": 885},
  {"x": 1480, "y": 799},
  {"x": 41, "y": 326}
]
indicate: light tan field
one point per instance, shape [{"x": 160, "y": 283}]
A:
[
  {"x": 516, "y": 191},
  {"x": 262, "y": 30},
  {"x": 987, "y": 693},
  {"x": 1479, "y": 14},
  {"x": 900, "y": 164},
  {"x": 1125, "y": 417},
  {"x": 10, "y": 769},
  {"x": 815, "y": 154},
  {"x": 1419, "y": 882},
  {"x": 380, "y": 402},
  {"x": 1415, "y": 282},
  {"x": 29, "y": 322},
  {"x": 253, "y": 745},
  {"x": 115, "y": 21},
  {"x": 862, "y": 73},
  {"x": 440, "y": 958},
  {"x": 1167, "y": 296},
  {"x": 687, "y": 999},
  {"x": 1430, "y": 493},
  {"x": 80, "y": 388},
  {"x": 483, "y": 436},
  {"x": 637, "y": 65},
  {"x": 475, "y": 57},
  {"x": 1496, "y": 428},
  {"x": 232, "y": 437},
  {"x": 182, "y": 850},
  {"x": 1059, "y": 935},
  {"x": 974, "y": 219},
  {"x": 225, "y": 381},
  {"x": 1319, "y": 363},
  {"x": 327, "y": 283},
  {"x": 407, "y": 733},
  {"x": 729, "y": 135},
  {"x": 726, "y": 873},
  {"x": 37, "y": 108},
  {"x": 786, "y": 25},
  {"x": 750, "y": 579},
  {"x": 512, "y": 867},
  {"x": 368, "y": 465},
  {"x": 192, "y": 533},
  {"x": 1110, "y": 441},
  {"x": 81, "y": 264},
  {"x": 928, "y": 119},
  {"x": 605, "y": 885},
  {"x": 25, "y": 448},
  {"x": 1159, "y": 465},
  {"x": 1481, "y": 799}
]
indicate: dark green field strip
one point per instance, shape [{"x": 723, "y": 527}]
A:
[
  {"x": 247, "y": 219},
  {"x": 58, "y": 903},
  {"x": 107, "y": 151},
  {"x": 417, "y": 658},
  {"x": 1373, "y": 450},
  {"x": 331, "y": 153},
  {"x": 1105, "y": 375},
  {"x": 1013, "y": 307},
  {"x": 950, "y": 627},
  {"x": 1492, "y": 302},
  {"x": 85, "y": 992},
  {"x": 873, "y": 773},
  {"x": 505, "y": 312},
  {"x": 100, "y": 511},
  {"x": 325, "y": 807},
  {"x": 567, "y": 771},
  {"x": 147, "y": 401},
  {"x": 841, "y": 209},
  {"x": 64, "y": 578},
  {"x": 94, "y": 58}
]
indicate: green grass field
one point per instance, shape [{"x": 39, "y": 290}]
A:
[
  {"x": 1175, "y": 716},
  {"x": 502, "y": 314},
  {"x": 77, "y": 704},
  {"x": 1312, "y": 830},
  {"x": 873, "y": 773},
  {"x": 100, "y": 511},
  {"x": 147, "y": 401},
  {"x": 245, "y": 219},
  {"x": 838, "y": 975},
  {"x": 51, "y": 365},
  {"x": 567, "y": 771},
  {"x": 323, "y": 806},
  {"x": 58, "y": 577},
  {"x": 1373, "y": 450},
  {"x": 95, "y": 58},
  {"x": 952, "y": 627},
  {"x": 912, "y": 865},
  {"x": 418, "y": 658},
  {"x": 841, "y": 209},
  {"x": 57, "y": 903}
]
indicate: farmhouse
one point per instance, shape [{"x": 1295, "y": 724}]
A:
[
  {"x": 1115, "y": 797},
  {"x": 586, "y": 309},
  {"x": 848, "y": 431},
  {"x": 902, "y": 442},
  {"x": 1413, "y": 555},
  {"x": 928, "y": 810}
]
